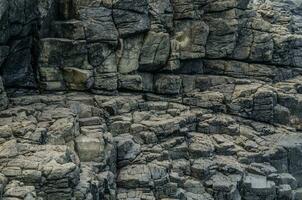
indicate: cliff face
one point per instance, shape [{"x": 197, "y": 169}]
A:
[{"x": 151, "y": 99}]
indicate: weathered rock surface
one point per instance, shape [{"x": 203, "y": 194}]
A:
[{"x": 150, "y": 99}]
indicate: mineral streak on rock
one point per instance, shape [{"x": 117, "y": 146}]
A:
[{"x": 150, "y": 100}]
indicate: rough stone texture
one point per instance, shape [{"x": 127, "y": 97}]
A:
[{"x": 150, "y": 99}]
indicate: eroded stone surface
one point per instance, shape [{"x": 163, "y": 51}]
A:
[
  {"x": 158, "y": 99},
  {"x": 145, "y": 149}
]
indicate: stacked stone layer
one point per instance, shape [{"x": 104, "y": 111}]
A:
[{"x": 150, "y": 99}]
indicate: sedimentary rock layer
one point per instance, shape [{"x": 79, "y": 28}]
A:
[{"x": 150, "y": 99}]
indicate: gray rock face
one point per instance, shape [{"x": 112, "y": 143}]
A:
[
  {"x": 18, "y": 20},
  {"x": 150, "y": 99},
  {"x": 155, "y": 51},
  {"x": 140, "y": 36}
]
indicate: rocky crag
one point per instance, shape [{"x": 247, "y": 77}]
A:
[{"x": 151, "y": 99}]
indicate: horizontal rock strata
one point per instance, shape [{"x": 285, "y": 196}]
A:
[{"x": 150, "y": 100}]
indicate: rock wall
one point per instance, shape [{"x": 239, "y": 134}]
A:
[
  {"x": 150, "y": 99},
  {"x": 123, "y": 45}
]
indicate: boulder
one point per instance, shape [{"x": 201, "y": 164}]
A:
[
  {"x": 130, "y": 82},
  {"x": 167, "y": 84},
  {"x": 155, "y": 51},
  {"x": 129, "y": 54},
  {"x": 90, "y": 148}
]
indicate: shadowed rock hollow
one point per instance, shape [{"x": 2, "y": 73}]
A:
[{"x": 151, "y": 99}]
